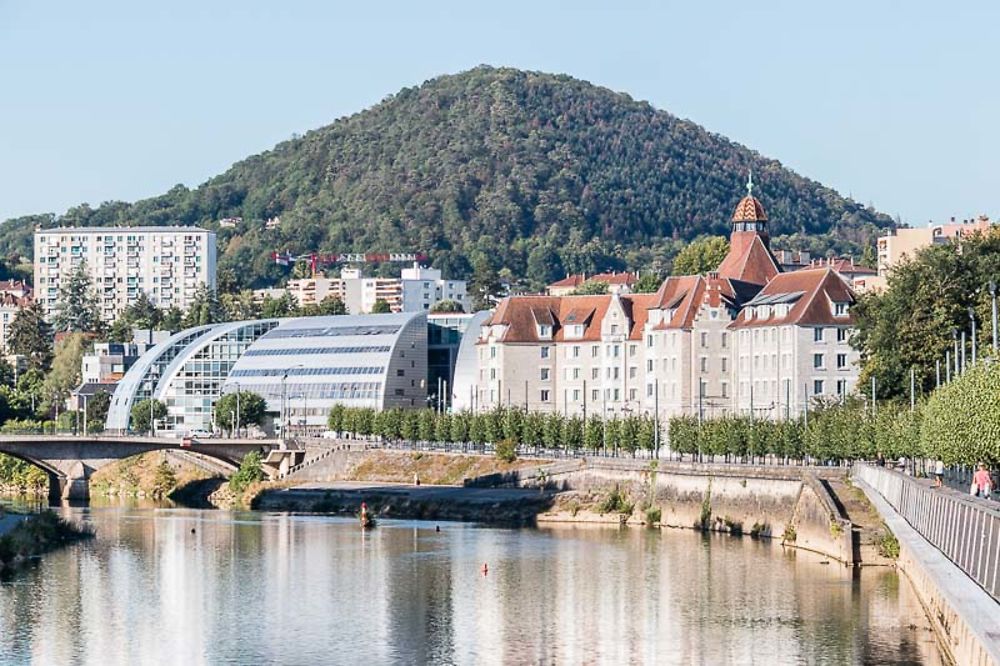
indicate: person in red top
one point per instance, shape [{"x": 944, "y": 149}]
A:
[{"x": 981, "y": 482}]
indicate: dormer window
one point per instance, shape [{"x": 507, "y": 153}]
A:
[
  {"x": 750, "y": 313},
  {"x": 765, "y": 311},
  {"x": 574, "y": 331},
  {"x": 544, "y": 331},
  {"x": 840, "y": 309},
  {"x": 614, "y": 329}
]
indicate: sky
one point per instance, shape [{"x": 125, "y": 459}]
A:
[{"x": 895, "y": 104}]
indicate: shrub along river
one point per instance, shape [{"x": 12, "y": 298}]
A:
[{"x": 170, "y": 585}]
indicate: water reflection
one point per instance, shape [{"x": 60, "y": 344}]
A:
[{"x": 188, "y": 586}]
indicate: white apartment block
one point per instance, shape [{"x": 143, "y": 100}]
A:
[
  {"x": 14, "y": 295},
  {"x": 743, "y": 339},
  {"x": 167, "y": 263},
  {"x": 416, "y": 290}
]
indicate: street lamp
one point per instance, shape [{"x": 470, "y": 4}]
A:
[
  {"x": 993, "y": 297},
  {"x": 284, "y": 416},
  {"x": 972, "y": 318}
]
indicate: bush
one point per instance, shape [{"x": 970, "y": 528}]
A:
[
  {"x": 616, "y": 501},
  {"x": 164, "y": 481},
  {"x": 506, "y": 450},
  {"x": 250, "y": 471}
]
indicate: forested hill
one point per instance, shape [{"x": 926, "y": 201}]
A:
[{"x": 497, "y": 168}]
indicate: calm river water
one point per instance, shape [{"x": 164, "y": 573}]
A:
[{"x": 188, "y": 587}]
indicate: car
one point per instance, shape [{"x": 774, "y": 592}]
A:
[
  {"x": 330, "y": 434},
  {"x": 200, "y": 434}
]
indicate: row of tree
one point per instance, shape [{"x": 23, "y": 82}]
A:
[{"x": 527, "y": 429}]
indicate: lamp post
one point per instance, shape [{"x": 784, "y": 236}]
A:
[
  {"x": 993, "y": 298},
  {"x": 236, "y": 424},
  {"x": 285, "y": 418},
  {"x": 954, "y": 339},
  {"x": 972, "y": 319}
]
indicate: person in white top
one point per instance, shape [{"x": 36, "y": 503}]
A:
[{"x": 938, "y": 473}]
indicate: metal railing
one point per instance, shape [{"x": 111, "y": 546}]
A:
[{"x": 966, "y": 530}]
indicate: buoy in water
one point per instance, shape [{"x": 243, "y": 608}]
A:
[
  {"x": 437, "y": 528},
  {"x": 486, "y": 568}
]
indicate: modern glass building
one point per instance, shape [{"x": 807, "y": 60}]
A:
[{"x": 301, "y": 366}]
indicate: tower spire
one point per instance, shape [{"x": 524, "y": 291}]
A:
[{"x": 750, "y": 182}]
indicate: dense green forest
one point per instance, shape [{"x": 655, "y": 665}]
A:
[{"x": 487, "y": 170}]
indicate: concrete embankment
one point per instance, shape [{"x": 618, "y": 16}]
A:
[
  {"x": 791, "y": 504},
  {"x": 502, "y": 506},
  {"x": 965, "y": 617}
]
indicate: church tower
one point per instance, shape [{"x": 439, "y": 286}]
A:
[{"x": 749, "y": 258}]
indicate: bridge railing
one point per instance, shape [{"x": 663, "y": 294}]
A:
[{"x": 965, "y": 529}]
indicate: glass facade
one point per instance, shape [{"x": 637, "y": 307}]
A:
[{"x": 195, "y": 386}]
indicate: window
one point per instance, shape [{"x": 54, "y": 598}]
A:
[
  {"x": 632, "y": 372},
  {"x": 617, "y": 395},
  {"x": 704, "y": 339},
  {"x": 544, "y": 395},
  {"x": 544, "y": 331},
  {"x": 576, "y": 373},
  {"x": 631, "y": 394},
  {"x": 544, "y": 374},
  {"x": 649, "y": 340},
  {"x": 493, "y": 373},
  {"x": 631, "y": 351},
  {"x": 704, "y": 364},
  {"x": 594, "y": 373},
  {"x": 841, "y": 387},
  {"x": 544, "y": 351},
  {"x": 725, "y": 390},
  {"x": 817, "y": 360},
  {"x": 840, "y": 309},
  {"x": 817, "y": 335},
  {"x": 649, "y": 365},
  {"x": 842, "y": 335},
  {"x": 615, "y": 373},
  {"x": 725, "y": 363},
  {"x": 595, "y": 350},
  {"x": 649, "y": 390},
  {"x": 841, "y": 361},
  {"x": 594, "y": 395},
  {"x": 576, "y": 351},
  {"x": 725, "y": 339},
  {"x": 817, "y": 387},
  {"x": 617, "y": 351},
  {"x": 493, "y": 352},
  {"x": 576, "y": 395}
]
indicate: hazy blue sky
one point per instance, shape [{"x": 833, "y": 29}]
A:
[{"x": 894, "y": 103}]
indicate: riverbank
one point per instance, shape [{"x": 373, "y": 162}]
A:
[
  {"x": 156, "y": 475},
  {"x": 23, "y": 537}
]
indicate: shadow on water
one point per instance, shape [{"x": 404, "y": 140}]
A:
[{"x": 194, "y": 495}]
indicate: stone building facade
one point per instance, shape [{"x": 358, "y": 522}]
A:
[{"x": 743, "y": 338}]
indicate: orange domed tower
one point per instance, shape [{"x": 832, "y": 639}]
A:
[{"x": 749, "y": 258}]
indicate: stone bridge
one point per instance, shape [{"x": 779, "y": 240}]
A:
[{"x": 70, "y": 460}]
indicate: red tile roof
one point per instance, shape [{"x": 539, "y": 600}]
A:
[
  {"x": 521, "y": 314},
  {"x": 749, "y": 259},
  {"x": 810, "y": 292},
  {"x": 749, "y": 210}
]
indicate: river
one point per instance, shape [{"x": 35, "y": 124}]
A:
[{"x": 183, "y": 586}]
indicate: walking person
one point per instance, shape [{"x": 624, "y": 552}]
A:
[
  {"x": 938, "y": 473},
  {"x": 981, "y": 482}
]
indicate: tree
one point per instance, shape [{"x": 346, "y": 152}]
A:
[
  {"x": 381, "y": 306},
  {"x": 64, "y": 376},
  {"x": 275, "y": 308},
  {"x": 30, "y": 336},
  {"x": 647, "y": 283},
  {"x": 143, "y": 410},
  {"x": 173, "y": 320},
  {"x": 701, "y": 255},
  {"x": 447, "y": 305},
  {"x": 240, "y": 306},
  {"x": 332, "y": 305},
  {"x": 591, "y": 288},
  {"x": 140, "y": 313},
  {"x": 76, "y": 305},
  {"x": 484, "y": 287},
  {"x": 910, "y": 323},
  {"x": 205, "y": 308},
  {"x": 97, "y": 406},
  {"x": 252, "y": 408},
  {"x": 6, "y": 373}
]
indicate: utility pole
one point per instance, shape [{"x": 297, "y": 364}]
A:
[
  {"x": 947, "y": 366},
  {"x": 584, "y": 403},
  {"x": 805, "y": 404},
  {"x": 913, "y": 389},
  {"x": 788, "y": 399},
  {"x": 604, "y": 421},
  {"x": 937, "y": 373}
]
